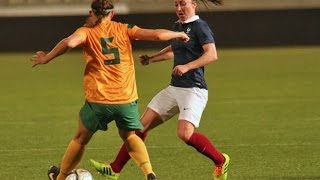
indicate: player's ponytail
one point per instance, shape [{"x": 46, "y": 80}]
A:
[{"x": 216, "y": 2}]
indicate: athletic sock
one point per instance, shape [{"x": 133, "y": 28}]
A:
[
  {"x": 123, "y": 156},
  {"x": 138, "y": 152},
  {"x": 203, "y": 145},
  {"x": 71, "y": 159}
]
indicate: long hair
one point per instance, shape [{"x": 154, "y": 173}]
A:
[{"x": 216, "y": 2}]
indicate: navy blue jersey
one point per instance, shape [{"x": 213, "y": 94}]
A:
[{"x": 199, "y": 33}]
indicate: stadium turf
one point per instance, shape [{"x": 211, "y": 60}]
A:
[{"x": 263, "y": 111}]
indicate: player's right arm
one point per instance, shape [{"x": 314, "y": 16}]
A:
[
  {"x": 165, "y": 54},
  {"x": 62, "y": 47}
]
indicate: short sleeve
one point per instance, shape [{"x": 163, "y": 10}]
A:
[
  {"x": 82, "y": 31},
  {"x": 204, "y": 33},
  {"x": 132, "y": 29}
]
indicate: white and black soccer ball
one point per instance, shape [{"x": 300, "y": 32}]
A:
[{"x": 80, "y": 174}]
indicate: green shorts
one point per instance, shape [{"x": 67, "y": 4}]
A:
[{"x": 96, "y": 116}]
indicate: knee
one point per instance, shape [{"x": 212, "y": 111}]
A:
[
  {"x": 185, "y": 130},
  {"x": 142, "y": 135},
  {"x": 125, "y": 134},
  {"x": 184, "y": 135},
  {"x": 82, "y": 138}
]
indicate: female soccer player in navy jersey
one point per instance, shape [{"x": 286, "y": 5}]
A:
[{"x": 187, "y": 93}]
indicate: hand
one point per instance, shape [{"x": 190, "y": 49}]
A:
[
  {"x": 180, "y": 70},
  {"x": 39, "y": 58},
  {"x": 184, "y": 37},
  {"x": 144, "y": 59}
]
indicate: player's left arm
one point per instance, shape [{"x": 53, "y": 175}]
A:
[
  {"x": 165, "y": 54},
  {"x": 209, "y": 55},
  {"x": 62, "y": 47}
]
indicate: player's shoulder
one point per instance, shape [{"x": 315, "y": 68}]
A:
[
  {"x": 201, "y": 25},
  {"x": 200, "y": 22},
  {"x": 82, "y": 30},
  {"x": 123, "y": 25}
]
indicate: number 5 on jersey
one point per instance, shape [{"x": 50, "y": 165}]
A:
[{"x": 108, "y": 51}]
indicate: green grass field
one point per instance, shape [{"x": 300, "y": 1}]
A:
[{"x": 263, "y": 110}]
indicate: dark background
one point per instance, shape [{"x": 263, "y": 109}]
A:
[{"x": 253, "y": 28}]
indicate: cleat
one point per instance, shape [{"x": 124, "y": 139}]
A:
[
  {"x": 221, "y": 172},
  {"x": 53, "y": 172},
  {"x": 105, "y": 170},
  {"x": 151, "y": 176}
]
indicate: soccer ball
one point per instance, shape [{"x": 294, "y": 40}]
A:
[{"x": 80, "y": 174}]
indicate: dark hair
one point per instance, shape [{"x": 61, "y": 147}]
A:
[
  {"x": 216, "y": 2},
  {"x": 101, "y": 7}
]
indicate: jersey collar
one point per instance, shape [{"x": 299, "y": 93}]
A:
[{"x": 191, "y": 19}]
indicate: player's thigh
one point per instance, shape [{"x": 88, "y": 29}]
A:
[
  {"x": 95, "y": 116},
  {"x": 150, "y": 119},
  {"x": 127, "y": 117},
  {"x": 88, "y": 116},
  {"x": 165, "y": 104},
  {"x": 192, "y": 102}
]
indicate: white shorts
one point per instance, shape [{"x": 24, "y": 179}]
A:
[{"x": 188, "y": 102}]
